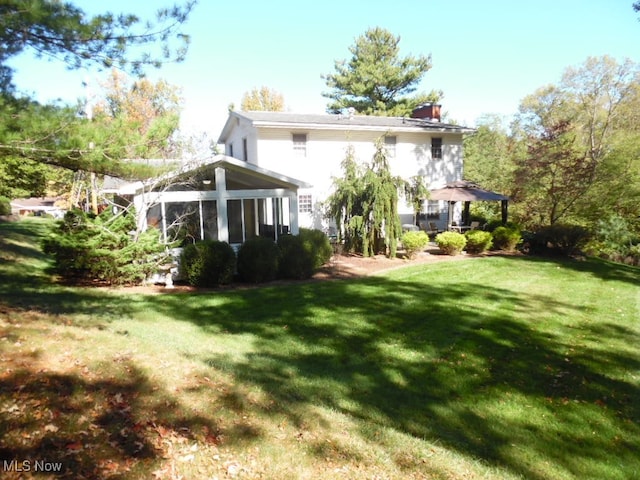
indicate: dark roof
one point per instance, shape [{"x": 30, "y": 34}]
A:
[
  {"x": 328, "y": 121},
  {"x": 464, "y": 191}
]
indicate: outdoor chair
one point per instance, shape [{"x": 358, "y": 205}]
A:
[{"x": 433, "y": 229}]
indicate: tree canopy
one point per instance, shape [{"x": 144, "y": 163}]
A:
[
  {"x": 262, "y": 99},
  {"x": 55, "y": 134},
  {"x": 376, "y": 80},
  {"x": 65, "y": 32},
  {"x": 572, "y": 154}
]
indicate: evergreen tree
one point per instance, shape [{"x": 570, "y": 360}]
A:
[
  {"x": 376, "y": 80},
  {"x": 54, "y": 134}
]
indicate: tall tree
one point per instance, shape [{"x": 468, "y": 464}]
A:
[
  {"x": 377, "y": 80},
  {"x": 489, "y": 153},
  {"x": 263, "y": 99},
  {"x": 54, "y": 134},
  {"x": 553, "y": 176},
  {"x": 148, "y": 114},
  {"x": 65, "y": 32},
  {"x": 592, "y": 100}
]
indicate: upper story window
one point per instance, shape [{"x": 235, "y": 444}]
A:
[
  {"x": 390, "y": 145},
  {"x": 436, "y": 148},
  {"x": 304, "y": 204},
  {"x": 245, "y": 155},
  {"x": 231, "y": 150},
  {"x": 300, "y": 144}
]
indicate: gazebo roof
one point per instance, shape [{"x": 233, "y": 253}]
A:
[{"x": 465, "y": 191}]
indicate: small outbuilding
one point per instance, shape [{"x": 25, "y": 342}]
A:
[{"x": 466, "y": 192}]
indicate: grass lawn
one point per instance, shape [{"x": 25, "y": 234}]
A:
[{"x": 496, "y": 368}]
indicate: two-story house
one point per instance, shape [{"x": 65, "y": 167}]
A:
[
  {"x": 312, "y": 147},
  {"x": 278, "y": 168}
]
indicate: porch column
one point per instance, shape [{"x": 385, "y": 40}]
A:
[
  {"x": 293, "y": 213},
  {"x": 223, "y": 220},
  {"x": 505, "y": 212}
]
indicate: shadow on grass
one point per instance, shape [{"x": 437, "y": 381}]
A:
[
  {"x": 411, "y": 355},
  {"x": 423, "y": 360},
  {"x": 93, "y": 427}
]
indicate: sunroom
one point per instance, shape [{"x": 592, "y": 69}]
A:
[{"x": 222, "y": 199}]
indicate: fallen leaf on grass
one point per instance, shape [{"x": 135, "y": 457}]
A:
[{"x": 51, "y": 428}]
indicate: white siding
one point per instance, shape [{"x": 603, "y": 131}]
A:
[{"x": 272, "y": 148}]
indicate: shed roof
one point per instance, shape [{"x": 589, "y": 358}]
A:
[{"x": 465, "y": 191}]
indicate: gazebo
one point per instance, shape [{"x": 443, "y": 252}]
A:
[{"x": 467, "y": 192}]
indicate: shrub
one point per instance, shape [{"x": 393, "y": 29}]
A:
[
  {"x": 5, "y": 206},
  {"x": 258, "y": 260},
  {"x": 506, "y": 238},
  {"x": 451, "y": 243},
  {"x": 296, "y": 257},
  {"x": 560, "y": 238},
  {"x": 633, "y": 256},
  {"x": 301, "y": 255},
  {"x": 101, "y": 248},
  {"x": 208, "y": 263},
  {"x": 320, "y": 246},
  {"x": 413, "y": 242},
  {"x": 612, "y": 238},
  {"x": 478, "y": 241}
]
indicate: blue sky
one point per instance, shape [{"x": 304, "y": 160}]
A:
[{"x": 487, "y": 55}]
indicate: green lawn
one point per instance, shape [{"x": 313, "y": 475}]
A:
[{"x": 494, "y": 368}]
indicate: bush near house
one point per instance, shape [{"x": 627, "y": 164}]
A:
[
  {"x": 103, "y": 248},
  {"x": 478, "y": 241},
  {"x": 506, "y": 238},
  {"x": 451, "y": 243},
  {"x": 414, "y": 242},
  {"x": 301, "y": 255},
  {"x": 321, "y": 249},
  {"x": 258, "y": 260},
  {"x": 295, "y": 257},
  {"x": 208, "y": 263}
]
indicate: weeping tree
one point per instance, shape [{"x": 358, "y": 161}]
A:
[
  {"x": 364, "y": 205},
  {"x": 344, "y": 206}
]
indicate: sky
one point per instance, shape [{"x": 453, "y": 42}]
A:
[{"x": 486, "y": 55}]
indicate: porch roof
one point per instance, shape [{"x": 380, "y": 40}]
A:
[{"x": 230, "y": 164}]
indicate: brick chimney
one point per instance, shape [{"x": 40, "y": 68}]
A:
[{"x": 428, "y": 111}]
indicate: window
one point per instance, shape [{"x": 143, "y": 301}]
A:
[
  {"x": 304, "y": 204},
  {"x": 231, "y": 149},
  {"x": 300, "y": 144},
  {"x": 390, "y": 145},
  {"x": 244, "y": 150},
  {"x": 433, "y": 209},
  {"x": 436, "y": 148}
]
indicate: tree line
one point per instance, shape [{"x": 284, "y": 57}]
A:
[{"x": 571, "y": 154}]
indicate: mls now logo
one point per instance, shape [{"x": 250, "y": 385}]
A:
[{"x": 29, "y": 466}]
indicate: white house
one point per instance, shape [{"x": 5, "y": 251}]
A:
[
  {"x": 312, "y": 147},
  {"x": 278, "y": 168}
]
